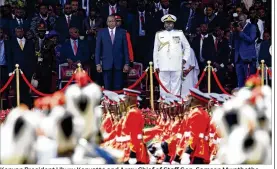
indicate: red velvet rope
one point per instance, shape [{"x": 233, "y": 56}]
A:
[
  {"x": 269, "y": 72},
  {"x": 201, "y": 78},
  {"x": 31, "y": 87},
  {"x": 44, "y": 94},
  {"x": 7, "y": 84},
  {"x": 133, "y": 85},
  {"x": 219, "y": 84},
  {"x": 161, "y": 84}
]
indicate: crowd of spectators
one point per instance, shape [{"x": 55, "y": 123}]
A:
[{"x": 65, "y": 31}]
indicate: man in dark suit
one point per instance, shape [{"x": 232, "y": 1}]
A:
[
  {"x": 67, "y": 21},
  {"x": 18, "y": 21},
  {"x": 91, "y": 25},
  {"x": 142, "y": 32},
  {"x": 245, "y": 52},
  {"x": 212, "y": 19},
  {"x": 113, "y": 7},
  {"x": 3, "y": 60},
  {"x": 22, "y": 52},
  {"x": 42, "y": 17},
  {"x": 74, "y": 50},
  {"x": 111, "y": 55},
  {"x": 204, "y": 48}
]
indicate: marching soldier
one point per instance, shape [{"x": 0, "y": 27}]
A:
[
  {"x": 133, "y": 126},
  {"x": 197, "y": 148},
  {"x": 171, "y": 50}
]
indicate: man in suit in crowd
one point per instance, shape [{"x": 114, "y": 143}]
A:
[
  {"x": 113, "y": 7},
  {"x": 42, "y": 17},
  {"x": 245, "y": 53},
  {"x": 75, "y": 50},
  {"x": 67, "y": 21},
  {"x": 22, "y": 52},
  {"x": 221, "y": 60},
  {"x": 211, "y": 19},
  {"x": 142, "y": 35},
  {"x": 111, "y": 55},
  {"x": 204, "y": 48},
  {"x": 3, "y": 60},
  {"x": 18, "y": 21},
  {"x": 91, "y": 25}
]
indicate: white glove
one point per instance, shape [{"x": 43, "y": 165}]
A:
[
  {"x": 10, "y": 74},
  {"x": 185, "y": 158},
  {"x": 34, "y": 83}
]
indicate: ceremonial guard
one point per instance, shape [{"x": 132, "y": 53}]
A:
[
  {"x": 171, "y": 50},
  {"x": 197, "y": 148},
  {"x": 133, "y": 126}
]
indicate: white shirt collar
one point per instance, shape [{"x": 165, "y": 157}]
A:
[
  {"x": 112, "y": 29},
  {"x": 23, "y": 40},
  {"x": 68, "y": 16},
  {"x": 44, "y": 18},
  {"x": 141, "y": 13},
  {"x": 113, "y": 6}
]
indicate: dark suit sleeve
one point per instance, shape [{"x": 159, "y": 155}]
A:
[
  {"x": 98, "y": 48},
  {"x": 9, "y": 57},
  {"x": 62, "y": 55},
  {"x": 33, "y": 56},
  {"x": 249, "y": 38},
  {"x": 125, "y": 48},
  {"x": 85, "y": 52}
]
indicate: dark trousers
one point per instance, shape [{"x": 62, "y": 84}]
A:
[
  {"x": 3, "y": 80},
  {"x": 244, "y": 70},
  {"x": 113, "y": 79},
  {"x": 25, "y": 97},
  {"x": 198, "y": 160}
]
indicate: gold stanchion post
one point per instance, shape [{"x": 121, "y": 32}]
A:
[
  {"x": 262, "y": 72},
  {"x": 17, "y": 84},
  {"x": 79, "y": 69},
  {"x": 151, "y": 86},
  {"x": 209, "y": 76}
]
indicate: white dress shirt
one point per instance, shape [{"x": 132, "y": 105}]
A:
[
  {"x": 23, "y": 41},
  {"x": 112, "y": 30},
  {"x": 165, "y": 11},
  {"x": 201, "y": 44},
  {"x": 110, "y": 9},
  {"x": 19, "y": 20}
]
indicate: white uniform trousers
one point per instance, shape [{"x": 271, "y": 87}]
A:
[{"x": 171, "y": 81}]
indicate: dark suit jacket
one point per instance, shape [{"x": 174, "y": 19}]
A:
[
  {"x": 26, "y": 58},
  {"x": 13, "y": 24},
  {"x": 111, "y": 55},
  {"x": 62, "y": 28},
  {"x": 264, "y": 53},
  {"x": 223, "y": 52},
  {"x": 82, "y": 52},
  {"x": 149, "y": 27},
  {"x": 87, "y": 26},
  {"x": 208, "y": 48},
  {"x": 104, "y": 11},
  {"x": 245, "y": 43}
]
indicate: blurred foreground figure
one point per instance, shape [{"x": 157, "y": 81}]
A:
[{"x": 245, "y": 125}]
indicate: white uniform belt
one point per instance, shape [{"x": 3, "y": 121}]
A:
[
  {"x": 187, "y": 134},
  {"x": 179, "y": 135},
  {"x": 201, "y": 135},
  {"x": 139, "y": 136}
]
